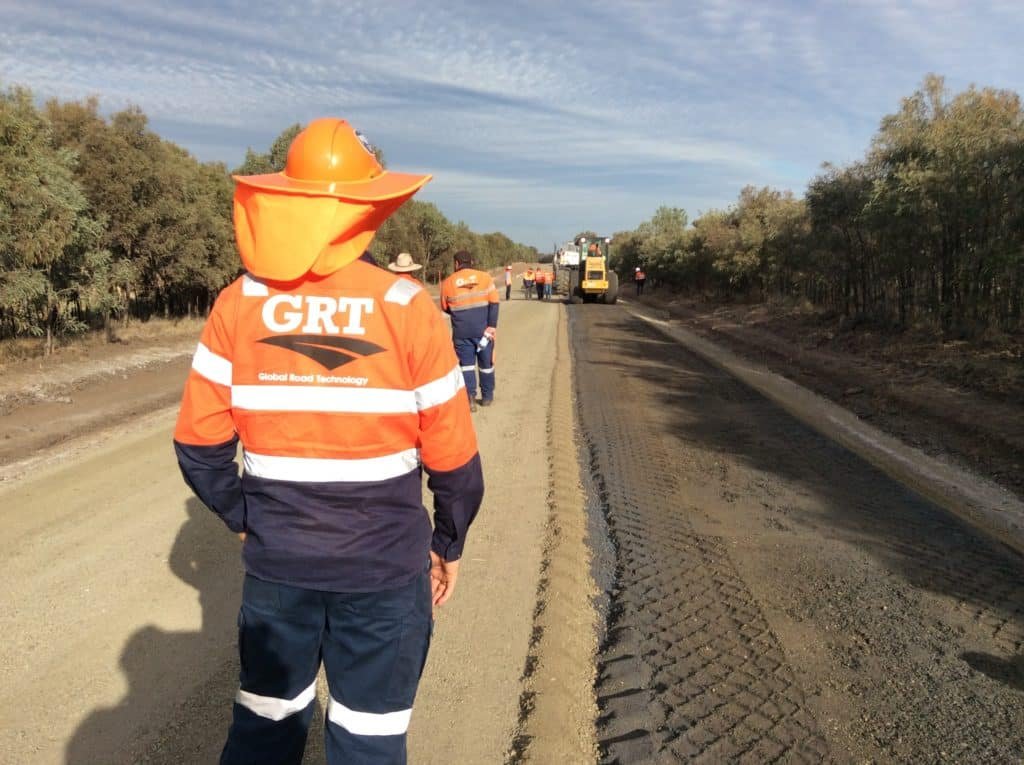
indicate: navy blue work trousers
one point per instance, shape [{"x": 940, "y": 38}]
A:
[
  {"x": 470, "y": 356},
  {"x": 373, "y": 647}
]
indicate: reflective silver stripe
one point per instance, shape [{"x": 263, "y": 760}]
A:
[
  {"x": 441, "y": 390},
  {"x": 466, "y": 307},
  {"x": 368, "y": 723},
  {"x": 274, "y": 708},
  {"x": 253, "y": 287},
  {"x": 313, "y": 398},
  {"x": 467, "y": 295},
  {"x": 211, "y": 366},
  {"x": 316, "y": 470},
  {"x": 471, "y": 368},
  {"x": 488, "y": 371},
  {"x": 402, "y": 292}
]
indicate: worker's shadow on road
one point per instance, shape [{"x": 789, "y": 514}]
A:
[
  {"x": 1008, "y": 671},
  {"x": 192, "y": 673}
]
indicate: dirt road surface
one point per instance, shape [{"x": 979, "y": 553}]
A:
[
  {"x": 121, "y": 591},
  {"x": 774, "y": 597},
  {"x": 770, "y": 597}
]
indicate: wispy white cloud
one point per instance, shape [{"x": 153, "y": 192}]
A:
[{"x": 534, "y": 114}]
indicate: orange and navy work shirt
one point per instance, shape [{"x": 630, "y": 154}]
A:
[
  {"x": 471, "y": 299},
  {"x": 340, "y": 389}
]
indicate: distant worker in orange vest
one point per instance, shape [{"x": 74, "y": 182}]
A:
[
  {"x": 539, "y": 278},
  {"x": 508, "y": 282},
  {"x": 471, "y": 299},
  {"x": 339, "y": 380},
  {"x": 528, "y": 277},
  {"x": 639, "y": 277}
]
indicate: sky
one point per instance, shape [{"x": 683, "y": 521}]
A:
[{"x": 538, "y": 119}]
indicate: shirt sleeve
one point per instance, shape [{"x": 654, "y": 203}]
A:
[
  {"x": 205, "y": 440},
  {"x": 447, "y": 439}
]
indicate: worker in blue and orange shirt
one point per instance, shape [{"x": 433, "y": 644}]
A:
[
  {"x": 339, "y": 380},
  {"x": 471, "y": 299}
]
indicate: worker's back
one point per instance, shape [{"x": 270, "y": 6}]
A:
[
  {"x": 328, "y": 383},
  {"x": 471, "y": 298}
]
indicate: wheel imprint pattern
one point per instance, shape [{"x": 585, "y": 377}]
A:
[{"x": 689, "y": 669}]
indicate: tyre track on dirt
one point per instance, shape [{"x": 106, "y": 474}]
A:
[
  {"x": 767, "y": 577},
  {"x": 689, "y": 667}
]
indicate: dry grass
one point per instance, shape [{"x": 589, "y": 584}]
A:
[{"x": 81, "y": 346}]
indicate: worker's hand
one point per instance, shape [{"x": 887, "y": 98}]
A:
[
  {"x": 443, "y": 574},
  {"x": 490, "y": 333},
  {"x": 241, "y": 535}
]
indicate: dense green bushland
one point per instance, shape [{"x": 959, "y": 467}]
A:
[
  {"x": 928, "y": 228},
  {"x": 101, "y": 220}
]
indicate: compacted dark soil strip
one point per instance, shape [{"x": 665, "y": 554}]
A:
[{"x": 775, "y": 598}]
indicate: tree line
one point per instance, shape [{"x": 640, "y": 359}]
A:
[
  {"x": 103, "y": 220},
  {"x": 927, "y": 228}
]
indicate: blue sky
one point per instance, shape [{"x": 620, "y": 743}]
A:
[{"x": 537, "y": 119}]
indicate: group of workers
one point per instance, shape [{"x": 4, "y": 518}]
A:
[{"x": 535, "y": 279}]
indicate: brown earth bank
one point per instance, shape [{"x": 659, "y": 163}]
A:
[
  {"x": 957, "y": 399},
  {"x": 45, "y": 402}
]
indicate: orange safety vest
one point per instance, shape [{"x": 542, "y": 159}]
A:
[
  {"x": 640, "y": 276},
  {"x": 471, "y": 299},
  {"x": 339, "y": 388},
  {"x": 333, "y": 379}
]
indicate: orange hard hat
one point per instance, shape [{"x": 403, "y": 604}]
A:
[
  {"x": 330, "y": 158},
  {"x": 323, "y": 211}
]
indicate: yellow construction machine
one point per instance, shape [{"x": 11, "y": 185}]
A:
[{"x": 594, "y": 281}]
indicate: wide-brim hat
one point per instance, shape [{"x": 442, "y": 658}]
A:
[
  {"x": 404, "y": 264},
  {"x": 322, "y": 211},
  {"x": 330, "y": 158}
]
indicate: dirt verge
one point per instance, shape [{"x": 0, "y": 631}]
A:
[
  {"x": 981, "y": 502},
  {"x": 953, "y": 399}
]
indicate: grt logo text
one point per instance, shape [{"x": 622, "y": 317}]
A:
[{"x": 316, "y": 315}]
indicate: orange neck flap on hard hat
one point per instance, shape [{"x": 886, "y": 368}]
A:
[{"x": 282, "y": 237}]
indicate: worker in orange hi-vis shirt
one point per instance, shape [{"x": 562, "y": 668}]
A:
[
  {"x": 470, "y": 298},
  {"x": 340, "y": 382}
]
